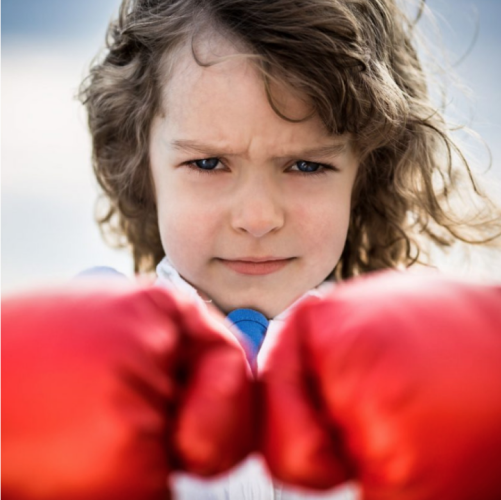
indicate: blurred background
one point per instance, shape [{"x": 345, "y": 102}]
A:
[{"x": 48, "y": 191}]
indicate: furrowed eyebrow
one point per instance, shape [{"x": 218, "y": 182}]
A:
[
  {"x": 197, "y": 147},
  {"x": 328, "y": 150}
]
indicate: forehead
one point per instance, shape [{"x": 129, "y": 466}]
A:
[{"x": 226, "y": 102}]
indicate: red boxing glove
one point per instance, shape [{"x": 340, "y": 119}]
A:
[
  {"x": 394, "y": 380},
  {"x": 105, "y": 392}
]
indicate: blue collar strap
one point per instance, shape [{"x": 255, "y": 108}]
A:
[{"x": 253, "y": 326}]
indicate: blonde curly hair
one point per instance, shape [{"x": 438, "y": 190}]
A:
[{"x": 356, "y": 62}]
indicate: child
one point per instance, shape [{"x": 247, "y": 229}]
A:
[{"x": 255, "y": 152}]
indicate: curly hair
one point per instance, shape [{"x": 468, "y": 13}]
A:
[{"x": 357, "y": 63}]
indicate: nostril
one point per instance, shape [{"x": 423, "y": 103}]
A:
[
  {"x": 259, "y": 227},
  {"x": 258, "y": 220}
]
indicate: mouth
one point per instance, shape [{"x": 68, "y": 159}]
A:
[{"x": 256, "y": 266}]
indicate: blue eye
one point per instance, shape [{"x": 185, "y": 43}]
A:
[
  {"x": 308, "y": 166},
  {"x": 207, "y": 163}
]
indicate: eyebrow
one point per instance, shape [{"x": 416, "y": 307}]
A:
[{"x": 329, "y": 150}]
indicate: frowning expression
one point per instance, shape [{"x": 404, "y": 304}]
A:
[{"x": 253, "y": 210}]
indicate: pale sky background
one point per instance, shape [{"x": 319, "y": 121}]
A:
[{"x": 48, "y": 190}]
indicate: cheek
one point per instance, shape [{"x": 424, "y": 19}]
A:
[
  {"x": 185, "y": 226},
  {"x": 323, "y": 227}
]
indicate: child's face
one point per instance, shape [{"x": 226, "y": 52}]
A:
[{"x": 256, "y": 203}]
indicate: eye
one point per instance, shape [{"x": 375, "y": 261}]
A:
[
  {"x": 307, "y": 166},
  {"x": 311, "y": 167},
  {"x": 206, "y": 163}
]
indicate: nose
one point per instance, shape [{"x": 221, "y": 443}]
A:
[{"x": 257, "y": 208}]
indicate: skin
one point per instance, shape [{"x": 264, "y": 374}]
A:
[{"x": 256, "y": 203}]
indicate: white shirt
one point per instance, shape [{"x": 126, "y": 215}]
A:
[{"x": 249, "y": 480}]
